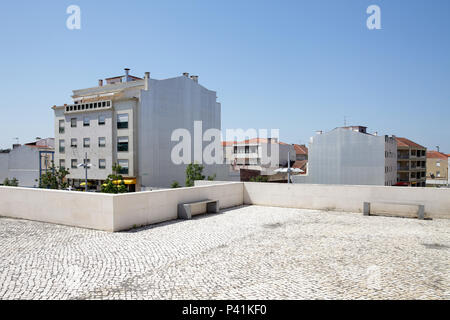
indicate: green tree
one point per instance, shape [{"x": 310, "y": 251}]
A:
[
  {"x": 11, "y": 183},
  {"x": 54, "y": 178},
  {"x": 212, "y": 178},
  {"x": 193, "y": 172},
  {"x": 110, "y": 187},
  {"x": 175, "y": 184}
]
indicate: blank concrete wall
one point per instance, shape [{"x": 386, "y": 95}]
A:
[
  {"x": 87, "y": 210},
  {"x": 143, "y": 208},
  {"x": 345, "y": 198}
]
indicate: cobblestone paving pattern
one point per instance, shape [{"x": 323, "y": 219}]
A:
[{"x": 249, "y": 252}]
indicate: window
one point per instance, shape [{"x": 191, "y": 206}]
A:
[
  {"x": 247, "y": 149},
  {"x": 122, "y": 121},
  {"x": 122, "y": 144},
  {"x": 62, "y": 147},
  {"x": 62, "y": 163},
  {"x": 102, "y": 164},
  {"x": 438, "y": 164},
  {"x": 73, "y": 142},
  {"x": 235, "y": 149},
  {"x": 101, "y": 120},
  {"x": 74, "y": 163},
  {"x": 61, "y": 126},
  {"x": 102, "y": 142},
  {"x": 86, "y": 161},
  {"x": 73, "y": 122},
  {"x": 86, "y": 122},
  {"x": 86, "y": 142},
  {"x": 438, "y": 174},
  {"x": 124, "y": 166}
]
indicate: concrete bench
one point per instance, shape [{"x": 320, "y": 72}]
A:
[
  {"x": 187, "y": 210},
  {"x": 420, "y": 208}
]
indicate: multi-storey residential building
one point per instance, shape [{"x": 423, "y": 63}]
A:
[
  {"x": 249, "y": 154},
  {"x": 437, "y": 169},
  {"x": 350, "y": 155},
  {"x": 129, "y": 121},
  {"x": 27, "y": 162},
  {"x": 411, "y": 163}
]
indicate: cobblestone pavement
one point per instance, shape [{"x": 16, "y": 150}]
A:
[{"x": 245, "y": 253}]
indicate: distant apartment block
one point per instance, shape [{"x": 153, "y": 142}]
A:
[
  {"x": 437, "y": 169},
  {"x": 411, "y": 163},
  {"x": 350, "y": 155},
  {"x": 249, "y": 154},
  {"x": 129, "y": 121},
  {"x": 27, "y": 162}
]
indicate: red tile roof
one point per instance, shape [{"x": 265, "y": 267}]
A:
[
  {"x": 301, "y": 164},
  {"x": 436, "y": 155},
  {"x": 300, "y": 149},
  {"x": 403, "y": 142}
]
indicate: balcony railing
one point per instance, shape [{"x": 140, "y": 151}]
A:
[{"x": 403, "y": 156}]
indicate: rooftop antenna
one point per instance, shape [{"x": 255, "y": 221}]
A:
[{"x": 437, "y": 147}]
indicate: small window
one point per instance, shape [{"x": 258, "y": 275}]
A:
[
  {"x": 73, "y": 142},
  {"x": 86, "y": 142},
  {"x": 101, "y": 120},
  {"x": 73, "y": 163},
  {"x": 86, "y": 161},
  {"x": 122, "y": 144},
  {"x": 73, "y": 122},
  {"x": 247, "y": 149},
  {"x": 61, "y": 126},
  {"x": 102, "y": 164},
  {"x": 438, "y": 174},
  {"x": 102, "y": 142},
  {"x": 122, "y": 121},
  {"x": 235, "y": 149},
  {"x": 86, "y": 122},
  {"x": 62, "y": 163},
  {"x": 62, "y": 147},
  {"x": 123, "y": 166},
  {"x": 438, "y": 164}
]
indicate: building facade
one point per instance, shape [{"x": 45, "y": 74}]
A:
[
  {"x": 27, "y": 162},
  {"x": 437, "y": 169},
  {"x": 253, "y": 154},
  {"x": 350, "y": 155},
  {"x": 411, "y": 163},
  {"x": 129, "y": 121}
]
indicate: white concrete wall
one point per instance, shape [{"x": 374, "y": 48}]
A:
[
  {"x": 151, "y": 207},
  {"x": 79, "y": 209},
  {"x": 345, "y": 197}
]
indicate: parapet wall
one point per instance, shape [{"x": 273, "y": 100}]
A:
[
  {"x": 120, "y": 212},
  {"x": 348, "y": 198}
]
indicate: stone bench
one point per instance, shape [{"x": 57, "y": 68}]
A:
[
  {"x": 420, "y": 208},
  {"x": 187, "y": 210}
]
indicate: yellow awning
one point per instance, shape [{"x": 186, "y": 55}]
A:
[
  {"x": 84, "y": 183},
  {"x": 126, "y": 181}
]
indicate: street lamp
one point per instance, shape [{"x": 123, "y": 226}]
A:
[{"x": 86, "y": 166}]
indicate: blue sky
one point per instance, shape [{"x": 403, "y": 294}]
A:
[{"x": 299, "y": 66}]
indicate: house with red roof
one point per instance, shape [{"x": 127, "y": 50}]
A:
[{"x": 437, "y": 169}]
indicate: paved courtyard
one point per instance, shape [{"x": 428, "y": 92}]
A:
[{"x": 244, "y": 253}]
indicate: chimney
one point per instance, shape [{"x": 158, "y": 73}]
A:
[
  {"x": 100, "y": 83},
  {"x": 195, "y": 78},
  {"x": 186, "y": 74},
  {"x": 127, "y": 73},
  {"x": 146, "y": 81}
]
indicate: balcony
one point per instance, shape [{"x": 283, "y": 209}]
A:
[
  {"x": 403, "y": 168},
  {"x": 403, "y": 156}
]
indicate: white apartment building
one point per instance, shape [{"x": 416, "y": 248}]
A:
[
  {"x": 350, "y": 155},
  {"x": 129, "y": 121},
  {"x": 27, "y": 162},
  {"x": 249, "y": 154}
]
